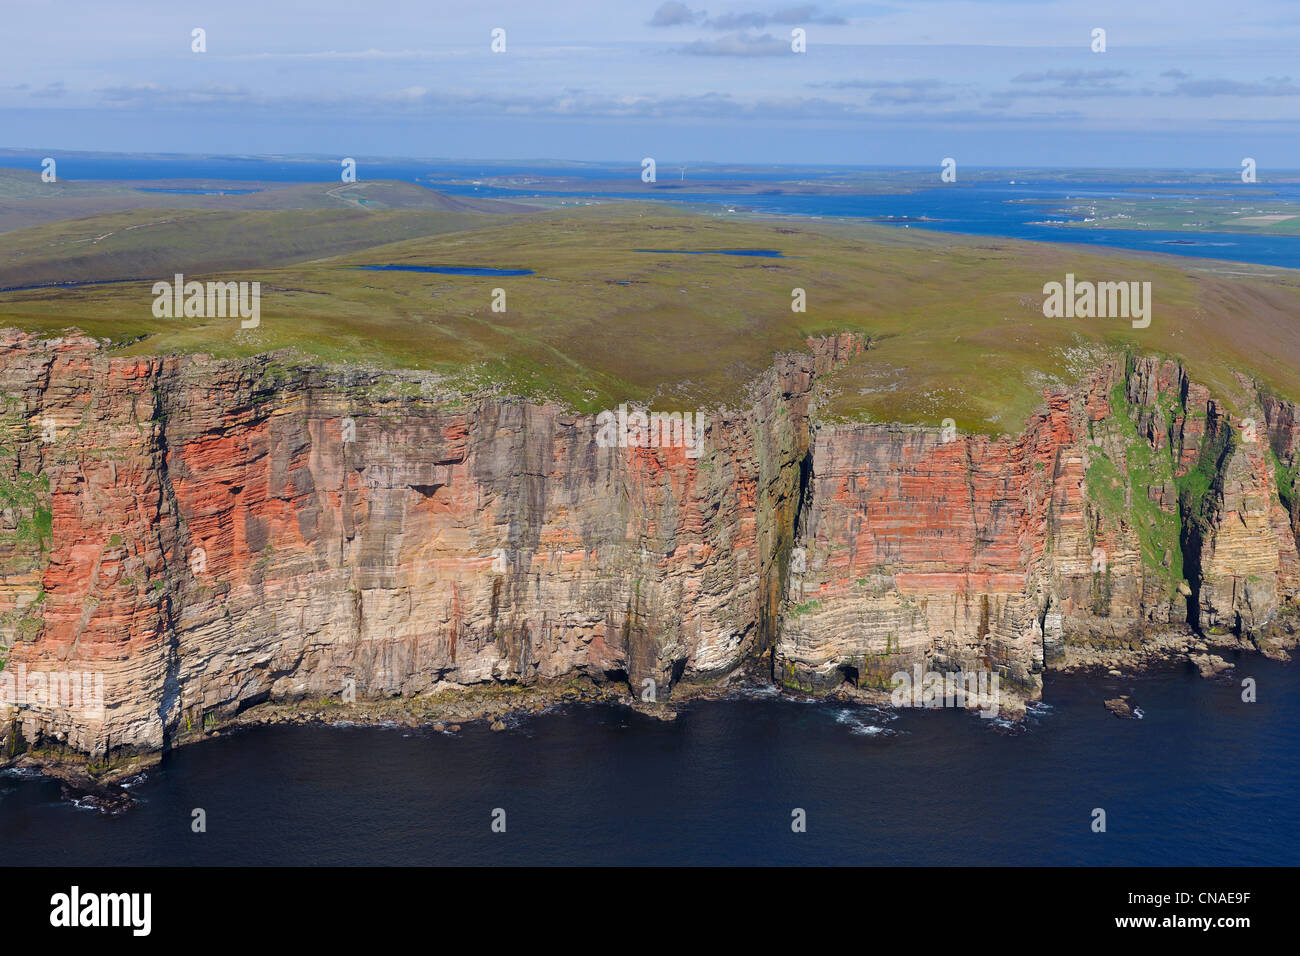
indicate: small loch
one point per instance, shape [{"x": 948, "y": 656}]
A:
[
  {"x": 761, "y": 253},
  {"x": 451, "y": 270}
]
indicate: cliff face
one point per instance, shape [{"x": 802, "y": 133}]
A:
[
  {"x": 1125, "y": 506},
  {"x": 203, "y": 535},
  {"x": 209, "y": 534}
]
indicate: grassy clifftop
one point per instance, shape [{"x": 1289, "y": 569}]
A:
[{"x": 956, "y": 322}]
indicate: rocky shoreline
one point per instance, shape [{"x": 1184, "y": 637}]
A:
[
  {"x": 1198, "y": 650},
  {"x": 449, "y": 710}
]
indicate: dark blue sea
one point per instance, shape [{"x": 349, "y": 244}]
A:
[
  {"x": 1203, "y": 778},
  {"x": 986, "y": 208}
]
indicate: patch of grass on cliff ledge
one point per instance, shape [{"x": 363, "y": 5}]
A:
[{"x": 956, "y": 322}]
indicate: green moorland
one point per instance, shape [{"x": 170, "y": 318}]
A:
[
  {"x": 26, "y": 201},
  {"x": 155, "y": 243},
  {"x": 956, "y": 322}
]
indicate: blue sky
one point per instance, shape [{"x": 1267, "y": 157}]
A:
[{"x": 990, "y": 82}]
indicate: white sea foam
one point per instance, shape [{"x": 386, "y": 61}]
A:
[{"x": 865, "y": 721}]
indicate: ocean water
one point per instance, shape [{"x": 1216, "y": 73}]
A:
[
  {"x": 973, "y": 208},
  {"x": 1003, "y": 210},
  {"x": 1203, "y": 778}
]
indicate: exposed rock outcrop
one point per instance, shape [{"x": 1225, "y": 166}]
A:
[
  {"x": 184, "y": 538},
  {"x": 1124, "y": 708},
  {"x": 1209, "y": 665},
  {"x": 1124, "y": 506}
]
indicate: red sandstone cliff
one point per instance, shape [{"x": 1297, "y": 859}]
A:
[
  {"x": 1123, "y": 504},
  {"x": 204, "y": 535}
]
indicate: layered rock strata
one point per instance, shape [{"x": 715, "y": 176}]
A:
[
  {"x": 1127, "y": 506},
  {"x": 184, "y": 538}
]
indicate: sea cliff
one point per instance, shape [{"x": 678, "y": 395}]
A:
[{"x": 206, "y": 539}]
